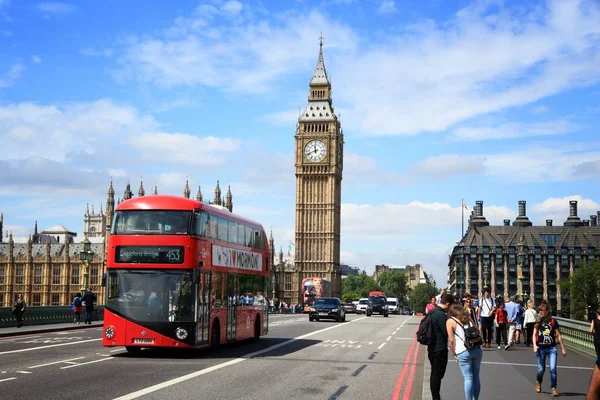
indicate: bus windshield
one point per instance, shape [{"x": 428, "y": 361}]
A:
[
  {"x": 151, "y": 295},
  {"x": 151, "y": 222}
]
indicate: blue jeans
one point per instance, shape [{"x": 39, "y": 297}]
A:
[
  {"x": 470, "y": 363},
  {"x": 541, "y": 364}
]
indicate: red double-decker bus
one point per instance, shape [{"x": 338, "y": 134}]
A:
[{"x": 181, "y": 273}]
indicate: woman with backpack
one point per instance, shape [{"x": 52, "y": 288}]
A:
[
  {"x": 77, "y": 308},
  {"x": 545, "y": 335},
  {"x": 465, "y": 343}
]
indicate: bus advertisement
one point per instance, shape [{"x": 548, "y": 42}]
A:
[
  {"x": 313, "y": 288},
  {"x": 181, "y": 273}
]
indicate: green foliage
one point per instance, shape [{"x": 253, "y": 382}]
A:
[
  {"x": 356, "y": 287},
  {"x": 584, "y": 289},
  {"x": 393, "y": 284},
  {"x": 420, "y": 296}
]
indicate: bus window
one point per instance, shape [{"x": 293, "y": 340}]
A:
[
  {"x": 222, "y": 230},
  {"x": 249, "y": 234},
  {"x": 150, "y": 222},
  {"x": 213, "y": 222},
  {"x": 258, "y": 240},
  {"x": 241, "y": 234},
  {"x": 232, "y": 232},
  {"x": 201, "y": 224}
]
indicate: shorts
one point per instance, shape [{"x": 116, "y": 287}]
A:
[{"x": 479, "y": 321}]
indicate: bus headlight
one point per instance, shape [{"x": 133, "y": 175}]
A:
[
  {"x": 181, "y": 333},
  {"x": 109, "y": 332}
]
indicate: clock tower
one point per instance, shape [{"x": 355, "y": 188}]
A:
[{"x": 319, "y": 165}]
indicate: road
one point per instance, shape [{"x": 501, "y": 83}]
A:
[{"x": 362, "y": 358}]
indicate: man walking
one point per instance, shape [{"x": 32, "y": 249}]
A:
[
  {"x": 487, "y": 308},
  {"x": 437, "y": 350},
  {"x": 438, "y": 298},
  {"x": 512, "y": 309},
  {"x": 89, "y": 299}
]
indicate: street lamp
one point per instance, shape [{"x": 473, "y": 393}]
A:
[
  {"x": 486, "y": 273},
  {"x": 86, "y": 256},
  {"x": 521, "y": 261}
]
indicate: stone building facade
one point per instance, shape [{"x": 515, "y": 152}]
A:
[
  {"x": 488, "y": 256},
  {"x": 415, "y": 274}
]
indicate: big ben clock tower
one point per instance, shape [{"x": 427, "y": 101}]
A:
[{"x": 319, "y": 165}]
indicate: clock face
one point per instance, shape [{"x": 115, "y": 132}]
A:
[{"x": 315, "y": 151}]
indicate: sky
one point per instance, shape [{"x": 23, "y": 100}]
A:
[{"x": 440, "y": 100}]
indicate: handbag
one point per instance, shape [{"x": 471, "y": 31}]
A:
[{"x": 472, "y": 339}]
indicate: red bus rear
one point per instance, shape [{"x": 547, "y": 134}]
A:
[{"x": 181, "y": 273}]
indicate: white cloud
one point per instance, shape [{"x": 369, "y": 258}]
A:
[
  {"x": 183, "y": 148},
  {"x": 514, "y": 130},
  {"x": 440, "y": 167},
  {"x": 281, "y": 118},
  {"x": 387, "y": 7},
  {"x": 560, "y": 206},
  {"x": 36, "y": 59},
  {"x": 56, "y": 8},
  {"x": 540, "y": 109},
  {"x": 232, "y": 6},
  {"x": 9, "y": 77},
  {"x": 117, "y": 172}
]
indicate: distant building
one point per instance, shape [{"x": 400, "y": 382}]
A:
[
  {"x": 347, "y": 270},
  {"x": 488, "y": 255},
  {"x": 415, "y": 274}
]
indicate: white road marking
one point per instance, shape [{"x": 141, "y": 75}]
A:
[
  {"x": 47, "y": 347},
  {"x": 370, "y": 342},
  {"x": 86, "y": 363},
  {"x": 7, "y": 379},
  {"x": 388, "y": 339},
  {"x": 114, "y": 351},
  {"x": 70, "y": 362},
  {"x": 380, "y": 346},
  {"x": 184, "y": 378},
  {"x": 23, "y": 372}
]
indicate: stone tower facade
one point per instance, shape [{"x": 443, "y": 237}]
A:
[
  {"x": 319, "y": 164},
  {"x": 94, "y": 225}
]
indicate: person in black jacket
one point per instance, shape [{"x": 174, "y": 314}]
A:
[
  {"x": 437, "y": 350},
  {"x": 89, "y": 298}
]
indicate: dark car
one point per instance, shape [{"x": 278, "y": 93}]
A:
[
  {"x": 407, "y": 311},
  {"x": 328, "y": 308},
  {"x": 377, "y": 305},
  {"x": 349, "y": 307}
]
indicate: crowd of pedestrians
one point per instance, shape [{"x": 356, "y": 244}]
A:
[{"x": 467, "y": 326}]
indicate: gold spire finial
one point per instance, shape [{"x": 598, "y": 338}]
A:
[{"x": 321, "y": 41}]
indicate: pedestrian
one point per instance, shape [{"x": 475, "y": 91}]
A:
[
  {"x": 512, "y": 310},
  {"x": 431, "y": 305},
  {"x": 437, "y": 350},
  {"x": 529, "y": 320},
  {"x": 77, "y": 307},
  {"x": 519, "y": 321},
  {"x": 438, "y": 298},
  {"x": 595, "y": 331},
  {"x": 478, "y": 315},
  {"x": 18, "y": 309},
  {"x": 89, "y": 299},
  {"x": 469, "y": 359},
  {"x": 501, "y": 323},
  {"x": 487, "y": 307},
  {"x": 546, "y": 333},
  {"x": 593, "y": 392},
  {"x": 470, "y": 311}
]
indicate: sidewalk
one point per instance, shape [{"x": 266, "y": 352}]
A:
[{"x": 27, "y": 330}]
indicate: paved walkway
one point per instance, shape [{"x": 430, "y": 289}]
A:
[
  {"x": 512, "y": 374},
  {"x": 31, "y": 329}
]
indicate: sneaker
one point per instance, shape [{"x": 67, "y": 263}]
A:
[
  {"x": 507, "y": 347},
  {"x": 554, "y": 392},
  {"x": 538, "y": 387},
  {"x": 499, "y": 347}
]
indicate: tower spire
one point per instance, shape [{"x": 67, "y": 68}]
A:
[
  {"x": 319, "y": 77},
  {"x": 229, "y": 199},
  {"x": 186, "y": 190},
  {"x": 217, "y": 200},
  {"x": 199, "y": 194},
  {"x": 156, "y": 189},
  {"x": 1, "y": 226},
  {"x": 141, "y": 191},
  {"x": 87, "y": 209},
  {"x": 128, "y": 194}
]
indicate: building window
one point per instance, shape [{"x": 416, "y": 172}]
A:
[
  {"x": 37, "y": 300},
  {"x": 75, "y": 275},
  {"x": 1, "y": 299},
  {"x": 288, "y": 282},
  {"x": 55, "y": 299},
  {"x": 2, "y": 275},
  {"x": 20, "y": 278},
  {"x": 549, "y": 239},
  {"x": 56, "y": 276},
  {"x": 37, "y": 277},
  {"x": 94, "y": 275}
]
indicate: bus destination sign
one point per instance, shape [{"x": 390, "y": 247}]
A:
[{"x": 149, "y": 254}]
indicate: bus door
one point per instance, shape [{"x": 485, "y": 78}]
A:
[
  {"x": 233, "y": 295},
  {"x": 203, "y": 307}
]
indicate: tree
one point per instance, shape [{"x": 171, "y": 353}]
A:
[
  {"x": 420, "y": 296},
  {"x": 393, "y": 284},
  {"x": 355, "y": 287},
  {"x": 584, "y": 290}
]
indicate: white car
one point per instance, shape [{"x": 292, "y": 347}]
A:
[
  {"x": 392, "y": 304},
  {"x": 361, "y": 307}
]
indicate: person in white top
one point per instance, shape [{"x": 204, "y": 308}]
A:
[
  {"x": 438, "y": 298},
  {"x": 468, "y": 359},
  {"x": 529, "y": 321},
  {"x": 487, "y": 308}
]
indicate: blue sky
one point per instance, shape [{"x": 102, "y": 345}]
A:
[{"x": 440, "y": 100}]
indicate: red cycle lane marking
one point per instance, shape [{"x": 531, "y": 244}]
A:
[
  {"x": 398, "y": 388},
  {"x": 411, "y": 376}
]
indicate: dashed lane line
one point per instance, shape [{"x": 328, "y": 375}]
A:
[
  {"x": 381, "y": 346},
  {"x": 388, "y": 339},
  {"x": 24, "y": 372},
  {"x": 86, "y": 363},
  {"x": 7, "y": 379},
  {"x": 47, "y": 347},
  {"x": 55, "y": 362}
]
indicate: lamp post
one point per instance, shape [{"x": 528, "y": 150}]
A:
[
  {"x": 460, "y": 276},
  {"x": 86, "y": 256},
  {"x": 521, "y": 261},
  {"x": 486, "y": 273}
]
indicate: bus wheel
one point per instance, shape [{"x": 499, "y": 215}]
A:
[
  {"x": 215, "y": 336},
  {"x": 133, "y": 349},
  {"x": 256, "y": 330}
]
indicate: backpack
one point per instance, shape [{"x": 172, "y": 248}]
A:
[
  {"x": 472, "y": 337},
  {"x": 77, "y": 301},
  {"x": 425, "y": 331}
]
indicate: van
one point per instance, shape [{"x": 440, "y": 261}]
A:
[
  {"x": 362, "y": 306},
  {"x": 392, "y": 304}
]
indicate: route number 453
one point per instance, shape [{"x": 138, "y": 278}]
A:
[{"x": 173, "y": 255}]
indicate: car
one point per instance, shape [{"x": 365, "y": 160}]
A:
[
  {"x": 407, "y": 311},
  {"x": 392, "y": 304},
  {"x": 327, "y": 308},
  {"x": 349, "y": 307},
  {"x": 362, "y": 306},
  {"x": 377, "y": 305}
]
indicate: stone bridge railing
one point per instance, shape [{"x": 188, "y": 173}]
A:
[
  {"x": 576, "y": 334},
  {"x": 45, "y": 315}
]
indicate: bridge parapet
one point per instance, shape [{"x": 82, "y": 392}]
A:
[
  {"x": 45, "y": 315},
  {"x": 576, "y": 334}
]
